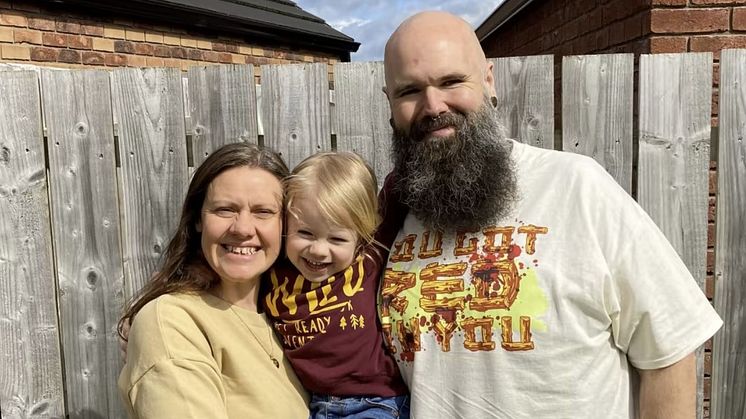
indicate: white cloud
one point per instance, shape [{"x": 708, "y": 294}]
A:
[{"x": 370, "y": 22}]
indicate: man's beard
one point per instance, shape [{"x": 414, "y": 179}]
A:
[{"x": 462, "y": 182}]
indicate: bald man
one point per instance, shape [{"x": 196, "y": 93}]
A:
[{"x": 524, "y": 283}]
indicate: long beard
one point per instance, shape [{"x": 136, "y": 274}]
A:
[{"x": 459, "y": 183}]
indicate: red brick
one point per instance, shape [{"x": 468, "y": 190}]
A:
[
  {"x": 44, "y": 54},
  {"x": 225, "y": 57},
  {"x": 93, "y": 30},
  {"x": 712, "y": 180},
  {"x": 633, "y": 27},
  {"x": 25, "y": 7},
  {"x": 27, "y": 36},
  {"x": 178, "y": 52},
  {"x": 710, "y": 286},
  {"x": 716, "y": 43},
  {"x": 710, "y": 235},
  {"x": 41, "y": 24},
  {"x": 257, "y": 60},
  {"x": 218, "y": 46},
  {"x": 231, "y": 48},
  {"x": 13, "y": 19},
  {"x": 93, "y": 58},
  {"x": 143, "y": 49},
  {"x": 195, "y": 54},
  {"x": 616, "y": 33},
  {"x": 69, "y": 56},
  {"x": 570, "y": 30},
  {"x": 211, "y": 56},
  {"x": 54, "y": 39},
  {"x": 67, "y": 27},
  {"x": 714, "y": 2},
  {"x": 708, "y": 363},
  {"x": 124, "y": 46},
  {"x": 669, "y": 2},
  {"x": 668, "y": 44},
  {"x": 79, "y": 42},
  {"x": 602, "y": 39},
  {"x": 162, "y": 51},
  {"x": 739, "y": 19},
  {"x": 115, "y": 60},
  {"x": 710, "y": 260},
  {"x": 711, "y": 210},
  {"x": 708, "y": 344},
  {"x": 689, "y": 20}
]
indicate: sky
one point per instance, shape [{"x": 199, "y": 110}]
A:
[{"x": 370, "y": 22}]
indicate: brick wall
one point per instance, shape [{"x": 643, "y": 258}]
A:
[{"x": 33, "y": 34}]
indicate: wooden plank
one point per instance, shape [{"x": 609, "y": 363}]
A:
[
  {"x": 222, "y": 107},
  {"x": 31, "y": 373},
  {"x": 729, "y": 348},
  {"x": 83, "y": 191},
  {"x": 361, "y": 114},
  {"x": 674, "y": 159},
  {"x": 149, "y": 106},
  {"x": 525, "y": 98},
  {"x": 597, "y": 111},
  {"x": 295, "y": 110}
]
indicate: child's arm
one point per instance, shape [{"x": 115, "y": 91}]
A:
[{"x": 392, "y": 211}]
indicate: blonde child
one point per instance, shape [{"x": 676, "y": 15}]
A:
[{"x": 323, "y": 302}]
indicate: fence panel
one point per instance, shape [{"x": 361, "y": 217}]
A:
[
  {"x": 525, "y": 98},
  {"x": 148, "y": 106},
  {"x": 295, "y": 110},
  {"x": 85, "y": 211},
  {"x": 729, "y": 348},
  {"x": 362, "y": 114},
  {"x": 597, "y": 111},
  {"x": 222, "y": 107},
  {"x": 674, "y": 158},
  {"x": 31, "y": 373}
]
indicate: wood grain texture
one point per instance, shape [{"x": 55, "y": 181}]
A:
[
  {"x": 222, "y": 105},
  {"x": 674, "y": 159},
  {"x": 525, "y": 98},
  {"x": 149, "y": 107},
  {"x": 295, "y": 110},
  {"x": 85, "y": 210},
  {"x": 30, "y": 363},
  {"x": 361, "y": 114},
  {"x": 729, "y": 347},
  {"x": 597, "y": 111}
]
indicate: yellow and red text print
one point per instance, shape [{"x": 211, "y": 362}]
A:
[{"x": 485, "y": 291}]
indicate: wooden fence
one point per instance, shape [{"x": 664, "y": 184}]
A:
[{"x": 94, "y": 166}]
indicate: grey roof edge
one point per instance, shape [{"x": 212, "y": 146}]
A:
[
  {"x": 297, "y": 29},
  {"x": 500, "y": 16}
]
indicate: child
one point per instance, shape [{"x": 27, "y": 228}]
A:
[{"x": 323, "y": 303}]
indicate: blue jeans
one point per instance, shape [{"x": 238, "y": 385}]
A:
[{"x": 333, "y": 407}]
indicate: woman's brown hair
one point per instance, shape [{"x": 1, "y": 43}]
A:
[{"x": 184, "y": 268}]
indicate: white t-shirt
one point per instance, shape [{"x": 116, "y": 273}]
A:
[{"x": 541, "y": 315}]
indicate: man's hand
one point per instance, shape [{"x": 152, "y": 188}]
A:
[{"x": 669, "y": 392}]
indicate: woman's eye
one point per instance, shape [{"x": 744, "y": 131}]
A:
[
  {"x": 224, "y": 212},
  {"x": 265, "y": 213}
]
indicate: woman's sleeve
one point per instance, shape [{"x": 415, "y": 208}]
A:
[{"x": 170, "y": 371}]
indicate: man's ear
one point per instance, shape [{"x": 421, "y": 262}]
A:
[
  {"x": 489, "y": 80},
  {"x": 385, "y": 92}
]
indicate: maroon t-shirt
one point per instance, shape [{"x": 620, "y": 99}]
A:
[{"x": 330, "y": 329}]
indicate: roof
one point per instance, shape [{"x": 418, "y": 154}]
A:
[
  {"x": 500, "y": 16},
  {"x": 268, "y": 21}
]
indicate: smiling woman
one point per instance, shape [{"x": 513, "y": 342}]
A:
[{"x": 198, "y": 347}]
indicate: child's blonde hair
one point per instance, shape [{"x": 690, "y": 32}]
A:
[{"x": 343, "y": 186}]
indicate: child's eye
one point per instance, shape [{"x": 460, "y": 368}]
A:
[
  {"x": 305, "y": 233},
  {"x": 339, "y": 240}
]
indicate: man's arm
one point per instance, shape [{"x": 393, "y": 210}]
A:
[{"x": 669, "y": 392}]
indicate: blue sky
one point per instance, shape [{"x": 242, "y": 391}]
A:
[{"x": 371, "y": 22}]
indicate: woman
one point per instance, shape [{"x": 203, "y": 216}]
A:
[{"x": 198, "y": 348}]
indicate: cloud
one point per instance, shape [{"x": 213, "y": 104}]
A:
[{"x": 370, "y": 22}]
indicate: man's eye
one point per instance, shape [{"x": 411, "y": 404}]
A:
[
  {"x": 407, "y": 92},
  {"x": 451, "y": 82}
]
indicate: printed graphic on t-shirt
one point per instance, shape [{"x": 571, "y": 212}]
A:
[
  {"x": 464, "y": 290},
  {"x": 309, "y": 309}
]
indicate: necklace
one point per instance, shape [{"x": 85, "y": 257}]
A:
[{"x": 270, "y": 354}]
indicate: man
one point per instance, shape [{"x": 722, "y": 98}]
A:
[{"x": 524, "y": 283}]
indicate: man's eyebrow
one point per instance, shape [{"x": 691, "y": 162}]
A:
[{"x": 439, "y": 80}]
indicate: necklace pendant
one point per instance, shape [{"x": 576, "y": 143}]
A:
[{"x": 275, "y": 361}]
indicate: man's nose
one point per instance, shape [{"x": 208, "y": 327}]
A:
[
  {"x": 434, "y": 102},
  {"x": 244, "y": 225}
]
